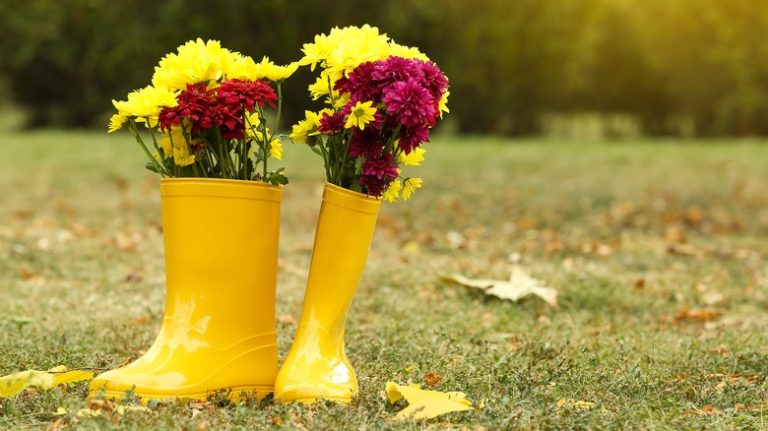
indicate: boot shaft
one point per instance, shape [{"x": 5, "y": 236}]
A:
[
  {"x": 221, "y": 242},
  {"x": 345, "y": 229}
]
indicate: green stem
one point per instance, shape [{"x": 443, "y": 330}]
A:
[
  {"x": 135, "y": 131},
  {"x": 326, "y": 161},
  {"x": 345, "y": 149},
  {"x": 277, "y": 125}
]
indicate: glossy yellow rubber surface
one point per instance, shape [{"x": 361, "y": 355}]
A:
[
  {"x": 316, "y": 366},
  {"x": 218, "y": 330}
]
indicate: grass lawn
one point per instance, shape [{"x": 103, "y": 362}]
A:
[{"x": 658, "y": 251}]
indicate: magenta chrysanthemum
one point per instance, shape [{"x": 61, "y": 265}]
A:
[
  {"x": 396, "y": 69},
  {"x": 365, "y": 143},
  {"x": 360, "y": 85},
  {"x": 410, "y": 103},
  {"x": 412, "y": 137},
  {"x": 434, "y": 79},
  {"x": 377, "y": 174}
]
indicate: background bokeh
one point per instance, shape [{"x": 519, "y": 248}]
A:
[{"x": 517, "y": 67}]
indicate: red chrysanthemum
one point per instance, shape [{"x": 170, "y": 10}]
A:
[
  {"x": 229, "y": 121},
  {"x": 331, "y": 123},
  {"x": 248, "y": 94},
  {"x": 193, "y": 102}
]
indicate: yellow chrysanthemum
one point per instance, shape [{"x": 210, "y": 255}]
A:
[
  {"x": 316, "y": 52},
  {"x": 273, "y": 72},
  {"x": 393, "y": 191},
  {"x": 397, "y": 50},
  {"x": 145, "y": 103},
  {"x": 324, "y": 84},
  {"x": 414, "y": 158},
  {"x": 343, "y": 49},
  {"x": 443, "y": 106},
  {"x": 355, "y": 45},
  {"x": 410, "y": 185},
  {"x": 241, "y": 67},
  {"x": 174, "y": 144},
  {"x": 252, "y": 125},
  {"x": 360, "y": 115},
  {"x": 116, "y": 122},
  {"x": 305, "y": 128},
  {"x": 195, "y": 61},
  {"x": 181, "y": 158},
  {"x": 276, "y": 149},
  {"x": 340, "y": 100},
  {"x": 246, "y": 68}
]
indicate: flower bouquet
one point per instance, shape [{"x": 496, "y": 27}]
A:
[
  {"x": 204, "y": 117},
  {"x": 205, "y": 114},
  {"x": 381, "y": 101}
]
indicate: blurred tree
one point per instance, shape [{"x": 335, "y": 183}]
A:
[{"x": 675, "y": 66}]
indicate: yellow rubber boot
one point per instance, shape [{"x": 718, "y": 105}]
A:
[
  {"x": 218, "y": 330},
  {"x": 316, "y": 366}
]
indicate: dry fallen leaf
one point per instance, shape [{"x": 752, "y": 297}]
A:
[
  {"x": 695, "y": 315},
  {"x": 425, "y": 404},
  {"x": 431, "y": 379},
  {"x": 707, "y": 410},
  {"x": 14, "y": 384},
  {"x": 520, "y": 285}
]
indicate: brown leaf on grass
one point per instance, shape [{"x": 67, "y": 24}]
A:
[
  {"x": 640, "y": 283},
  {"x": 728, "y": 228},
  {"x": 426, "y": 404},
  {"x": 133, "y": 277},
  {"x": 760, "y": 408},
  {"x": 600, "y": 248},
  {"x": 601, "y": 329},
  {"x": 683, "y": 250},
  {"x": 124, "y": 240},
  {"x": 526, "y": 223},
  {"x": 56, "y": 425},
  {"x": 120, "y": 183},
  {"x": 292, "y": 268},
  {"x": 676, "y": 234},
  {"x": 520, "y": 285},
  {"x": 682, "y": 377},
  {"x": 80, "y": 230},
  {"x": 692, "y": 216},
  {"x": 22, "y": 214},
  {"x": 63, "y": 208},
  {"x": 720, "y": 350},
  {"x": 697, "y": 315},
  {"x": 431, "y": 379},
  {"x": 28, "y": 275},
  {"x": 707, "y": 410}
]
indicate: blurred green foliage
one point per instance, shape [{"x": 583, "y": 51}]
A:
[{"x": 681, "y": 67}]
